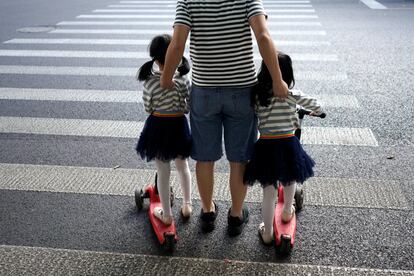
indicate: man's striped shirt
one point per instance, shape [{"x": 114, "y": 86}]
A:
[
  {"x": 280, "y": 117},
  {"x": 158, "y": 99},
  {"x": 221, "y": 47}
]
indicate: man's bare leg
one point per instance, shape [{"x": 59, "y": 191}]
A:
[
  {"x": 205, "y": 183},
  {"x": 237, "y": 188}
]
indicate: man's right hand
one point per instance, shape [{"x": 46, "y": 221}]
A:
[{"x": 280, "y": 89}]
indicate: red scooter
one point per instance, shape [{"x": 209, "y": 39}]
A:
[
  {"x": 166, "y": 235},
  {"x": 285, "y": 231}
]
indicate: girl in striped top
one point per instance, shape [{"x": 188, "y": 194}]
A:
[
  {"x": 278, "y": 155},
  {"x": 166, "y": 133}
]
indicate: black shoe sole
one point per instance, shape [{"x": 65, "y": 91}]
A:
[
  {"x": 207, "y": 227},
  {"x": 236, "y": 230}
]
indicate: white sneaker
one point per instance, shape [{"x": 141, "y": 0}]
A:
[{"x": 159, "y": 214}]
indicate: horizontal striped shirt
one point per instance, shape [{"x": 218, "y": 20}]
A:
[
  {"x": 164, "y": 101},
  {"x": 280, "y": 117},
  {"x": 221, "y": 47}
]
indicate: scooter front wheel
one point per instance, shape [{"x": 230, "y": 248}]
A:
[
  {"x": 285, "y": 247},
  {"x": 139, "y": 199},
  {"x": 299, "y": 198}
]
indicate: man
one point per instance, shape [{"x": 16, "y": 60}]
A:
[{"x": 223, "y": 75}]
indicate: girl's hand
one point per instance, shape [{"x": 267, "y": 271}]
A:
[
  {"x": 280, "y": 90},
  {"x": 166, "y": 84}
]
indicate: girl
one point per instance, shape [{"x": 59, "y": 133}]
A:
[
  {"x": 278, "y": 155},
  {"x": 166, "y": 134}
]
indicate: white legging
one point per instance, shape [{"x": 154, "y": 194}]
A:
[
  {"x": 269, "y": 201},
  {"x": 163, "y": 172}
]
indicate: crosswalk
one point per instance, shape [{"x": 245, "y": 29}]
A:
[{"x": 296, "y": 28}]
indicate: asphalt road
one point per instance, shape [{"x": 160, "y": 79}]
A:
[{"x": 362, "y": 224}]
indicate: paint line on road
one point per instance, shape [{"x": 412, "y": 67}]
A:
[
  {"x": 338, "y": 101},
  {"x": 145, "y": 42},
  {"x": 136, "y": 55},
  {"x": 152, "y": 2},
  {"x": 319, "y": 75},
  {"x": 70, "y": 127},
  {"x": 154, "y": 32},
  {"x": 69, "y": 70},
  {"x": 319, "y": 191},
  {"x": 115, "y": 23},
  {"x": 130, "y": 72},
  {"x": 167, "y": 23},
  {"x": 339, "y": 136},
  {"x": 374, "y": 5},
  {"x": 129, "y": 129},
  {"x": 172, "y": 11},
  {"x": 18, "y": 260},
  {"x": 266, "y": 5},
  {"x": 158, "y": 16},
  {"x": 72, "y": 95},
  {"x": 125, "y": 96},
  {"x": 86, "y": 41},
  {"x": 174, "y": 2}
]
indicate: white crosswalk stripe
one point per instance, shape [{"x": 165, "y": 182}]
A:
[
  {"x": 135, "y": 55},
  {"x": 21, "y": 259},
  {"x": 266, "y": 5},
  {"x": 172, "y": 12},
  {"x": 129, "y": 129},
  {"x": 124, "y": 96},
  {"x": 41, "y": 94},
  {"x": 130, "y": 72},
  {"x": 168, "y": 23},
  {"x": 119, "y": 181},
  {"x": 145, "y": 42},
  {"x": 150, "y": 16},
  {"x": 155, "y": 32}
]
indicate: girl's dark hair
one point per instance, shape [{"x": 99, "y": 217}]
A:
[
  {"x": 263, "y": 88},
  {"x": 158, "y": 50}
]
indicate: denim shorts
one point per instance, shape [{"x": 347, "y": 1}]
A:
[{"x": 214, "y": 109}]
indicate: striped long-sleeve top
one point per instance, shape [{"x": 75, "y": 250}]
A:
[
  {"x": 166, "y": 101},
  {"x": 279, "y": 118}
]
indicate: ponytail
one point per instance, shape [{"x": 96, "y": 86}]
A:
[
  {"x": 184, "y": 67},
  {"x": 145, "y": 71}
]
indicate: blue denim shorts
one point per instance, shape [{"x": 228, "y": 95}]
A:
[{"x": 214, "y": 109}]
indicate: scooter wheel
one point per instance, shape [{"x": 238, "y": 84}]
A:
[
  {"x": 169, "y": 242},
  {"x": 299, "y": 198},
  {"x": 139, "y": 199},
  {"x": 285, "y": 247},
  {"x": 172, "y": 198}
]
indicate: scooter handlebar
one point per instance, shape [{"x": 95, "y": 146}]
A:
[{"x": 302, "y": 112}]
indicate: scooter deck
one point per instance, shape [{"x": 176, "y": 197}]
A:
[
  {"x": 160, "y": 228},
  {"x": 283, "y": 229}
]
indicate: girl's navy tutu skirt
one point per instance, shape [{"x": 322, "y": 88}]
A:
[
  {"x": 165, "y": 138},
  {"x": 278, "y": 160}
]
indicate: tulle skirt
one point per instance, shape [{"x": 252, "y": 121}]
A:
[
  {"x": 278, "y": 160},
  {"x": 165, "y": 138}
]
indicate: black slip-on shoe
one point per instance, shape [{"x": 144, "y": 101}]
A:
[
  {"x": 236, "y": 224},
  {"x": 208, "y": 219}
]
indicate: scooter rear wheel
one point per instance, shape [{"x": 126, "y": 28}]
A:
[
  {"x": 172, "y": 198},
  {"x": 169, "y": 242}
]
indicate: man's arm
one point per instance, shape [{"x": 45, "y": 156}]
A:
[
  {"x": 174, "y": 55},
  {"x": 268, "y": 52}
]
